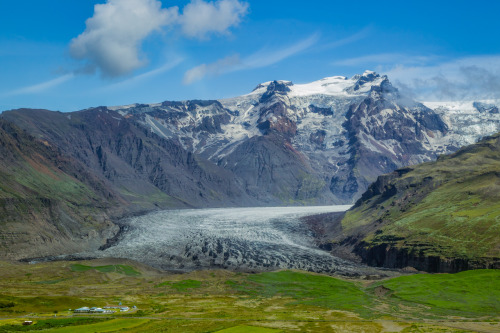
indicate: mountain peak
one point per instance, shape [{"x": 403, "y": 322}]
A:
[
  {"x": 265, "y": 86},
  {"x": 367, "y": 80},
  {"x": 276, "y": 88}
]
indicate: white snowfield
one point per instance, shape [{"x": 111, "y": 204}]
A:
[
  {"x": 329, "y": 86},
  {"x": 248, "y": 239},
  {"x": 467, "y": 124}
]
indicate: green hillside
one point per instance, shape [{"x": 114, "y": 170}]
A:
[{"x": 448, "y": 209}]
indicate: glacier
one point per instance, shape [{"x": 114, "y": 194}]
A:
[{"x": 240, "y": 239}]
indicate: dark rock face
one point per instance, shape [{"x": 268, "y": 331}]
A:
[
  {"x": 318, "y": 138},
  {"x": 383, "y": 186},
  {"x": 384, "y": 255},
  {"x": 362, "y": 79},
  {"x": 273, "y": 119},
  {"x": 272, "y": 169},
  {"x": 322, "y": 111},
  {"x": 275, "y": 88},
  {"x": 212, "y": 125}
]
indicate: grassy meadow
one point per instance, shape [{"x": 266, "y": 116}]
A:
[{"x": 230, "y": 302}]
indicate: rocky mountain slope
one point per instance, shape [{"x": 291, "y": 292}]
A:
[
  {"x": 441, "y": 216},
  {"x": 49, "y": 203},
  {"x": 316, "y": 143},
  {"x": 148, "y": 171},
  {"x": 282, "y": 144}
]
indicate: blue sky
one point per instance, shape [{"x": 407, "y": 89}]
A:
[{"x": 70, "y": 55}]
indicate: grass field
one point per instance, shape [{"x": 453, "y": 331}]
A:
[
  {"x": 469, "y": 293},
  {"x": 108, "y": 326},
  {"x": 223, "y": 301},
  {"x": 249, "y": 329},
  {"x": 122, "y": 269}
]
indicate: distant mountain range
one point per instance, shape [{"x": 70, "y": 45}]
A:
[{"x": 282, "y": 144}]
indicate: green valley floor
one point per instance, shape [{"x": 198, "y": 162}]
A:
[{"x": 230, "y": 302}]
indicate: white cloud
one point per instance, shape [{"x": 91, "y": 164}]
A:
[
  {"x": 259, "y": 59},
  {"x": 432, "y": 77},
  {"x": 200, "y": 18},
  {"x": 112, "y": 38},
  {"x": 458, "y": 79},
  {"x": 40, "y": 87}
]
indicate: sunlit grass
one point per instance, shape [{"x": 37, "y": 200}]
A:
[{"x": 212, "y": 301}]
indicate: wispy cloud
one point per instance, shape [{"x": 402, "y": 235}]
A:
[
  {"x": 362, "y": 34},
  {"x": 385, "y": 59},
  {"x": 433, "y": 77},
  {"x": 228, "y": 64},
  {"x": 40, "y": 87},
  {"x": 145, "y": 76},
  {"x": 265, "y": 58},
  {"x": 259, "y": 59}
]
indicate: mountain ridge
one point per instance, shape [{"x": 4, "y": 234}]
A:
[
  {"x": 310, "y": 118},
  {"x": 282, "y": 144}
]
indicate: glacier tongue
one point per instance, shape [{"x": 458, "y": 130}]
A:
[{"x": 245, "y": 239}]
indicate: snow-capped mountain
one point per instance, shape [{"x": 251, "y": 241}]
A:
[
  {"x": 468, "y": 120},
  {"x": 281, "y": 144},
  {"x": 321, "y": 142}
]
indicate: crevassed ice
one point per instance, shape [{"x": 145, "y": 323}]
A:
[{"x": 253, "y": 239}]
